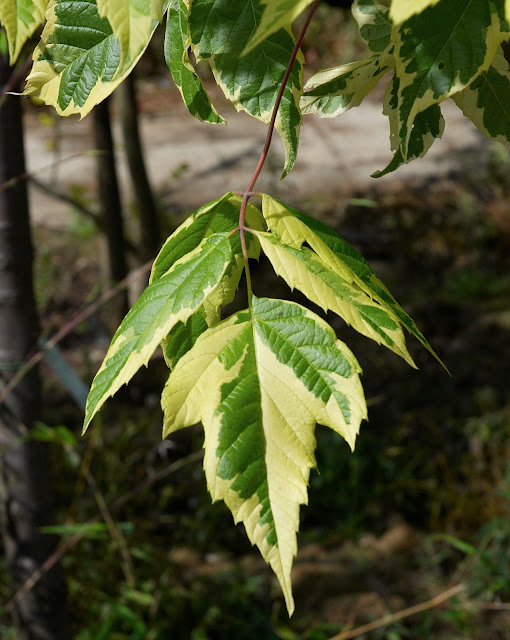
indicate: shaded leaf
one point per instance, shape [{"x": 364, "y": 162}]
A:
[
  {"x": 172, "y": 298},
  {"x": 259, "y": 382}
]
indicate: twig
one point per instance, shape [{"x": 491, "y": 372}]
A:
[
  {"x": 400, "y": 615},
  {"x": 85, "y": 211},
  {"x": 16, "y": 77}
]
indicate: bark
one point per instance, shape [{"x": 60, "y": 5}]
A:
[
  {"x": 145, "y": 201},
  {"x": 111, "y": 207},
  {"x": 25, "y": 501}
]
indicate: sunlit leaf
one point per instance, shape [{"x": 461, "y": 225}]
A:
[
  {"x": 401, "y": 10},
  {"x": 277, "y": 14},
  {"x": 331, "y": 92},
  {"x": 295, "y": 229},
  {"x": 20, "y": 18},
  {"x": 441, "y": 51},
  {"x": 259, "y": 382},
  {"x": 78, "y": 60},
  {"x": 172, "y": 298},
  {"x": 219, "y": 216}
]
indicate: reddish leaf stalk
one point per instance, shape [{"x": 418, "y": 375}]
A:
[{"x": 249, "y": 189}]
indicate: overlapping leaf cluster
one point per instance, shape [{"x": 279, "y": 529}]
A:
[
  {"x": 434, "y": 49},
  {"x": 261, "y": 379}
]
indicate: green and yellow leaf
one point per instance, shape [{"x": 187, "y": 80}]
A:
[
  {"x": 78, "y": 60},
  {"x": 402, "y": 10},
  {"x": 331, "y": 92},
  {"x": 295, "y": 229},
  {"x": 20, "y": 18},
  {"x": 278, "y": 14},
  {"x": 302, "y": 269},
  {"x": 173, "y": 298},
  {"x": 219, "y": 33},
  {"x": 374, "y": 23},
  {"x": 440, "y": 52},
  {"x": 428, "y": 126},
  {"x": 486, "y": 101},
  {"x": 132, "y": 22},
  {"x": 219, "y": 216},
  {"x": 259, "y": 382},
  {"x": 177, "y": 44}
]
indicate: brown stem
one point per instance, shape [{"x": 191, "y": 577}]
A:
[{"x": 248, "y": 192}]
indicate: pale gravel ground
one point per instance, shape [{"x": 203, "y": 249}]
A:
[{"x": 191, "y": 163}]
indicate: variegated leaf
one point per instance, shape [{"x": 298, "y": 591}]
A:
[
  {"x": 277, "y": 14},
  {"x": 132, "y": 22},
  {"x": 441, "y": 51},
  {"x": 78, "y": 60},
  {"x": 402, "y": 10},
  {"x": 428, "y": 126},
  {"x": 259, "y": 382},
  {"x": 295, "y": 228},
  {"x": 304, "y": 270},
  {"x": 219, "y": 33},
  {"x": 20, "y": 18},
  {"x": 172, "y": 298},
  {"x": 486, "y": 101},
  {"x": 331, "y": 92},
  {"x": 374, "y": 23},
  {"x": 219, "y": 216},
  {"x": 177, "y": 44}
]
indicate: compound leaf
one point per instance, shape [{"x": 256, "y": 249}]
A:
[
  {"x": 78, "y": 60},
  {"x": 219, "y": 33},
  {"x": 177, "y": 44},
  {"x": 259, "y": 382},
  {"x": 295, "y": 228},
  {"x": 486, "y": 101},
  {"x": 441, "y": 51},
  {"x": 20, "y": 18},
  {"x": 174, "y": 297}
]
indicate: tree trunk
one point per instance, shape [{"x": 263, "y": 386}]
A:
[
  {"x": 25, "y": 499},
  {"x": 146, "y": 204},
  {"x": 111, "y": 207}
]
